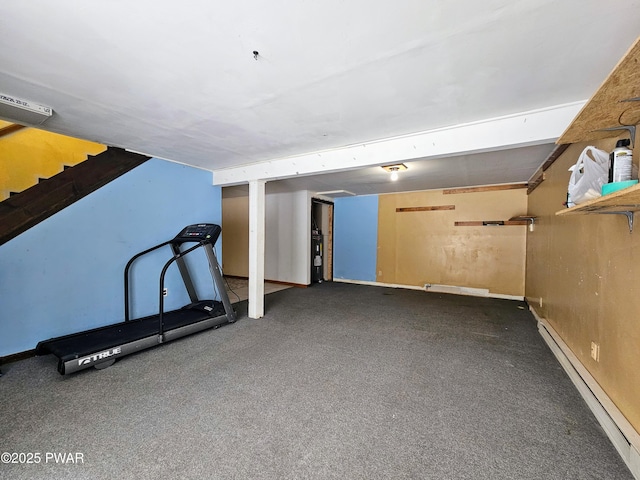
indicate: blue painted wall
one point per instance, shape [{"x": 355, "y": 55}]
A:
[
  {"x": 355, "y": 238},
  {"x": 66, "y": 274}
]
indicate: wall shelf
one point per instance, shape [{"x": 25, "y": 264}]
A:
[
  {"x": 491, "y": 223},
  {"x": 613, "y": 108},
  {"x": 623, "y": 202}
]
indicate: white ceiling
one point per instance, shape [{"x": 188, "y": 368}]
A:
[{"x": 178, "y": 80}]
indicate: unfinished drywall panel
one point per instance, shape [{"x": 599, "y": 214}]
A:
[
  {"x": 582, "y": 277},
  {"x": 420, "y": 244}
]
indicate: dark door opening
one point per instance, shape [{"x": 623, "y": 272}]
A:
[{"x": 321, "y": 240}]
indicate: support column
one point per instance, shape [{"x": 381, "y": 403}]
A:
[{"x": 256, "y": 247}]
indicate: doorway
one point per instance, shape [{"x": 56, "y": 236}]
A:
[{"x": 321, "y": 240}]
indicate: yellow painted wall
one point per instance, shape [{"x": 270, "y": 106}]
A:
[
  {"x": 586, "y": 271},
  {"x": 415, "y": 248},
  {"x": 29, "y": 154}
]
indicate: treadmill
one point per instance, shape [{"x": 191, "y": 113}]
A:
[{"x": 100, "y": 347}]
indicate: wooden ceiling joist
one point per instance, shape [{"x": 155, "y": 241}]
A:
[
  {"x": 539, "y": 176},
  {"x": 426, "y": 209},
  {"x": 486, "y": 188}
]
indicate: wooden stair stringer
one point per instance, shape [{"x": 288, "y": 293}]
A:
[{"x": 20, "y": 212}]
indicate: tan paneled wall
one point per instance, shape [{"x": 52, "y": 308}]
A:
[
  {"x": 287, "y": 235},
  {"x": 415, "y": 248},
  {"x": 583, "y": 275},
  {"x": 235, "y": 236}
]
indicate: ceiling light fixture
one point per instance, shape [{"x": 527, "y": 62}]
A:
[
  {"x": 394, "y": 169},
  {"x": 23, "y": 111}
]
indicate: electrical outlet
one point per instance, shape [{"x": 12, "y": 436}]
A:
[
  {"x": 165, "y": 292},
  {"x": 540, "y": 302},
  {"x": 595, "y": 351}
]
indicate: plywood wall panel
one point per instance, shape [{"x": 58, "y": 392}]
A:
[
  {"x": 583, "y": 276},
  {"x": 415, "y": 248},
  {"x": 235, "y": 236}
]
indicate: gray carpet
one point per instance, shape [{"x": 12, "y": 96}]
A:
[{"x": 337, "y": 381}]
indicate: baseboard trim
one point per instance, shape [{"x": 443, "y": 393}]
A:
[
  {"x": 622, "y": 434},
  {"x": 291, "y": 284},
  {"x": 15, "y": 357},
  {"x": 473, "y": 292}
]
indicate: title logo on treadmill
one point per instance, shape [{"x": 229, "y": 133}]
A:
[{"x": 99, "y": 356}]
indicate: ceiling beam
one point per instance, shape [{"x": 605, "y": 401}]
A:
[{"x": 519, "y": 130}]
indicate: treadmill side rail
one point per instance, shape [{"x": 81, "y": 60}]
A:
[
  {"x": 77, "y": 364},
  {"x": 72, "y": 365}
]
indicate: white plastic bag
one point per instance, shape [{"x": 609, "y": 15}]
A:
[{"x": 590, "y": 172}]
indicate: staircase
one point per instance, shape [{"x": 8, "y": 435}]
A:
[{"x": 26, "y": 209}]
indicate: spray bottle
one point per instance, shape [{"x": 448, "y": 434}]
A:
[{"x": 621, "y": 162}]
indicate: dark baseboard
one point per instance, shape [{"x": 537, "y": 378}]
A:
[
  {"x": 297, "y": 285},
  {"x": 291, "y": 284},
  {"x": 17, "y": 357}
]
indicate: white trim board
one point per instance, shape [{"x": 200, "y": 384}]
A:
[
  {"x": 621, "y": 433},
  {"x": 452, "y": 289},
  {"x": 534, "y": 127}
]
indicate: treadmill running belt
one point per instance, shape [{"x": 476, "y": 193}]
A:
[{"x": 102, "y": 338}]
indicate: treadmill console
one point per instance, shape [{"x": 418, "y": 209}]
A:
[{"x": 200, "y": 232}]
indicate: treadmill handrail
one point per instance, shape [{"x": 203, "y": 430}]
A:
[
  {"x": 162, "y": 274},
  {"x": 126, "y": 275}
]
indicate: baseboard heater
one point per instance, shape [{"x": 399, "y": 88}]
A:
[
  {"x": 476, "y": 292},
  {"x": 431, "y": 287},
  {"x": 622, "y": 434}
]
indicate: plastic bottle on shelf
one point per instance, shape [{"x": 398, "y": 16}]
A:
[{"x": 621, "y": 162}]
